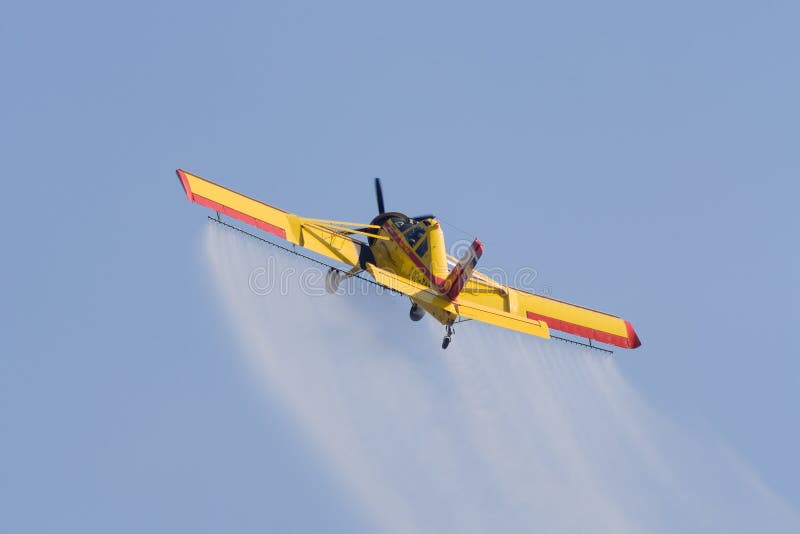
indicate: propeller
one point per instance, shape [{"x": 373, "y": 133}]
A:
[
  {"x": 382, "y": 208},
  {"x": 379, "y": 195}
]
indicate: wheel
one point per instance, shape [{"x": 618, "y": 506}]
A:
[
  {"x": 332, "y": 280},
  {"x": 445, "y": 342},
  {"x": 416, "y": 313}
]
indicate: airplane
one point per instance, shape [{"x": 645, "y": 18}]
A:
[{"x": 407, "y": 255}]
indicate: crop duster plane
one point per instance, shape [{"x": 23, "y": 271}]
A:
[{"x": 408, "y": 255}]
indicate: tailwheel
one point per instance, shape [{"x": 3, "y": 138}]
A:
[{"x": 447, "y": 337}]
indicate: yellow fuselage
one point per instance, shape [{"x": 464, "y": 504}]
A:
[{"x": 413, "y": 249}]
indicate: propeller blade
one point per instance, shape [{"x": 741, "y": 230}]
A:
[{"x": 379, "y": 195}]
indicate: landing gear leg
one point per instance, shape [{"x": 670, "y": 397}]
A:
[{"x": 448, "y": 336}]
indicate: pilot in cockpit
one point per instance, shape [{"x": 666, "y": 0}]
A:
[{"x": 414, "y": 234}]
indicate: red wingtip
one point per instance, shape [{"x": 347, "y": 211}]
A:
[
  {"x": 185, "y": 183},
  {"x": 633, "y": 339}
]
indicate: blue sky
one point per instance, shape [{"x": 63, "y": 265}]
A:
[{"x": 642, "y": 158}]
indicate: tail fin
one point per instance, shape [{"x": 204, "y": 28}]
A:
[{"x": 461, "y": 272}]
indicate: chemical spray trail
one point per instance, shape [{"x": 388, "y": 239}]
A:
[{"x": 501, "y": 432}]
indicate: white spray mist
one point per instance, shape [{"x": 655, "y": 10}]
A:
[{"x": 500, "y": 433}]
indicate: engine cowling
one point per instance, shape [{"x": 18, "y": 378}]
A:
[{"x": 416, "y": 312}]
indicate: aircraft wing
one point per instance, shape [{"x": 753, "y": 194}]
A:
[
  {"x": 471, "y": 310},
  {"x": 558, "y": 315},
  {"x": 329, "y": 238}
]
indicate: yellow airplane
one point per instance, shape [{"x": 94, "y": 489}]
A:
[{"x": 408, "y": 255}]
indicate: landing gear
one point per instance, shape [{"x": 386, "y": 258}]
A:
[
  {"x": 416, "y": 313},
  {"x": 332, "y": 280},
  {"x": 335, "y": 277},
  {"x": 447, "y": 337}
]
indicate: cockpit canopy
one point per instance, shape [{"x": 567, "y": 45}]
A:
[{"x": 413, "y": 229}]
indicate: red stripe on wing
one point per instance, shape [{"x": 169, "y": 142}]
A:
[
  {"x": 258, "y": 223},
  {"x": 630, "y": 342}
]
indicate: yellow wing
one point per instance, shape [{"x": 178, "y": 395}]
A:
[
  {"x": 329, "y": 238},
  {"x": 558, "y": 315},
  {"x": 471, "y": 310}
]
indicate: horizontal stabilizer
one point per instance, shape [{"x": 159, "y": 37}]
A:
[{"x": 485, "y": 314}]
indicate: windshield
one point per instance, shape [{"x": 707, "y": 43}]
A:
[
  {"x": 414, "y": 234},
  {"x": 401, "y": 224}
]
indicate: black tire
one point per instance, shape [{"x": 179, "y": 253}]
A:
[{"x": 445, "y": 342}]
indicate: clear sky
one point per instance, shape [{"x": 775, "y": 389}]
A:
[{"x": 642, "y": 158}]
